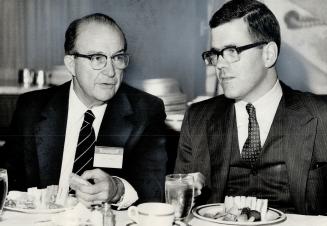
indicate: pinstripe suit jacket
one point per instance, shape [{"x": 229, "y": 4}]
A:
[{"x": 301, "y": 121}]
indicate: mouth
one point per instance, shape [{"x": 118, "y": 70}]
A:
[
  {"x": 226, "y": 79},
  {"x": 225, "y": 76},
  {"x": 107, "y": 84}
]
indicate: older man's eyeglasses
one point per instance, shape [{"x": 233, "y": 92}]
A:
[
  {"x": 99, "y": 61},
  {"x": 230, "y": 54}
]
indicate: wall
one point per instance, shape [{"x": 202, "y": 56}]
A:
[
  {"x": 303, "y": 56},
  {"x": 165, "y": 38}
]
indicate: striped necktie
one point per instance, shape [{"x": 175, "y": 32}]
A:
[
  {"x": 252, "y": 147},
  {"x": 85, "y": 146}
]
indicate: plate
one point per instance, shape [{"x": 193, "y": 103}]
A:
[
  {"x": 21, "y": 201},
  {"x": 178, "y": 223},
  {"x": 273, "y": 216},
  {"x": 43, "y": 211}
]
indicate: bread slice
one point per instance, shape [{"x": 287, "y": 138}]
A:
[
  {"x": 43, "y": 198},
  {"x": 240, "y": 202},
  {"x": 264, "y": 209}
]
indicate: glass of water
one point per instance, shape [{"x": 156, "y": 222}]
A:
[
  {"x": 3, "y": 187},
  {"x": 179, "y": 192}
]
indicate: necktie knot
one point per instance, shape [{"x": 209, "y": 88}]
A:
[
  {"x": 251, "y": 110},
  {"x": 89, "y": 116}
]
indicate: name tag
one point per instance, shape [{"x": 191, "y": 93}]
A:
[{"x": 108, "y": 157}]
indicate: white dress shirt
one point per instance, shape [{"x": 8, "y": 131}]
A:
[
  {"x": 76, "y": 110},
  {"x": 265, "y": 107}
]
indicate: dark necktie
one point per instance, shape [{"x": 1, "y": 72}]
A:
[
  {"x": 252, "y": 146},
  {"x": 85, "y": 145}
]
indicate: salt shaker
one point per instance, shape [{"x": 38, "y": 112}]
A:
[{"x": 108, "y": 215}]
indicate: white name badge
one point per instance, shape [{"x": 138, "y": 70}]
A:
[{"x": 108, "y": 157}]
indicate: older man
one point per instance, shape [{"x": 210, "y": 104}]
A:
[{"x": 94, "y": 126}]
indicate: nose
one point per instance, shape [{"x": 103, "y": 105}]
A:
[
  {"x": 221, "y": 62},
  {"x": 109, "y": 69}
]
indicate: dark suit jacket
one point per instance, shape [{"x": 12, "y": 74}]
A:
[
  {"x": 133, "y": 120},
  {"x": 301, "y": 121}
]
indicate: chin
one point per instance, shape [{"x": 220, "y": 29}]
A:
[
  {"x": 105, "y": 96},
  {"x": 231, "y": 95}
]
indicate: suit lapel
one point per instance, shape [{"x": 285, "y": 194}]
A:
[
  {"x": 50, "y": 136},
  {"x": 219, "y": 133},
  {"x": 117, "y": 123},
  {"x": 297, "y": 126}
]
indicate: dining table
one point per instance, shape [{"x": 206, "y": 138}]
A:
[{"x": 13, "y": 218}]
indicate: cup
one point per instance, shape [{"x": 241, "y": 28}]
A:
[
  {"x": 3, "y": 188},
  {"x": 179, "y": 192},
  {"x": 152, "y": 213}
]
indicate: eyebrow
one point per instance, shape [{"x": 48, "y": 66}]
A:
[
  {"x": 102, "y": 53},
  {"x": 225, "y": 47},
  {"x": 118, "y": 52},
  {"x": 122, "y": 50}
]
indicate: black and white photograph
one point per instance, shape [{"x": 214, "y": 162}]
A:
[{"x": 163, "y": 113}]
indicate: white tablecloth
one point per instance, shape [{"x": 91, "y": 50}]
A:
[
  {"x": 11, "y": 218},
  {"x": 291, "y": 220}
]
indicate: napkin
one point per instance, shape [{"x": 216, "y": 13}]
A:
[{"x": 78, "y": 215}]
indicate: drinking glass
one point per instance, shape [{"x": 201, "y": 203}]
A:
[
  {"x": 3, "y": 187},
  {"x": 179, "y": 192}
]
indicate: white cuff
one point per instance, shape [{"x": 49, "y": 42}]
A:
[{"x": 129, "y": 197}]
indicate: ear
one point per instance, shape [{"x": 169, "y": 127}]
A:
[
  {"x": 70, "y": 63},
  {"x": 269, "y": 54}
]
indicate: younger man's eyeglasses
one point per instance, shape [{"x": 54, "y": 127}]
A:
[
  {"x": 99, "y": 61},
  {"x": 230, "y": 54}
]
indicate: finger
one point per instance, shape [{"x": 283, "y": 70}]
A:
[
  {"x": 95, "y": 174},
  {"x": 77, "y": 180},
  {"x": 84, "y": 196},
  {"x": 197, "y": 192},
  {"x": 88, "y": 189},
  {"x": 85, "y": 203},
  {"x": 100, "y": 188},
  {"x": 92, "y": 198},
  {"x": 199, "y": 180},
  {"x": 199, "y": 177}
]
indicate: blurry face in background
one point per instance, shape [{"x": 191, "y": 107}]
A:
[
  {"x": 95, "y": 87},
  {"x": 244, "y": 79}
]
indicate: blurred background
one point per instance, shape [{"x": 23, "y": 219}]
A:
[{"x": 165, "y": 40}]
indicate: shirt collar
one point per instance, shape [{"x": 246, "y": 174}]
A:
[
  {"x": 272, "y": 96},
  {"x": 267, "y": 104}
]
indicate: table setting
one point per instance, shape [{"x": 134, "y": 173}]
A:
[{"x": 177, "y": 211}]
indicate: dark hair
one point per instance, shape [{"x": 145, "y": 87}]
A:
[
  {"x": 72, "y": 30},
  {"x": 262, "y": 23}
]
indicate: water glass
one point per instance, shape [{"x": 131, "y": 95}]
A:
[
  {"x": 179, "y": 192},
  {"x": 3, "y": 187}
]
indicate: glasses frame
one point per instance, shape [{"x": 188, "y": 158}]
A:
[
  {"x": 238, "y": 49},
  {"x": 91, "y": 56}
]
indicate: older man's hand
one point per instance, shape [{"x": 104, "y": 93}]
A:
[{"x": 104, "y": 189}]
